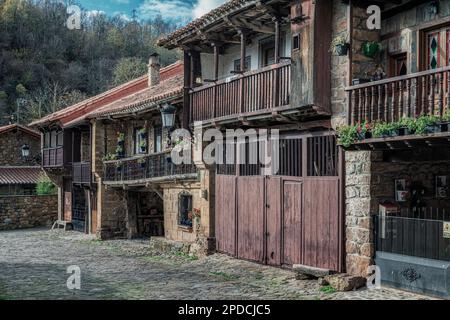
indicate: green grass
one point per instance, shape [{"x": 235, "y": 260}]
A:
[
  {"x": 225, "y": 276},
  {"x": 327, "y": 290},
  {"x": 186, "y": 256}
]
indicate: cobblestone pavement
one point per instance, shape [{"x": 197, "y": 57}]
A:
[{"x": 33, "y": 265}]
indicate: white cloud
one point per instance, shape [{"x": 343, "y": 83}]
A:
[
  {"x": 204, "y": 6},
  {"x": 168, "y": 9}
]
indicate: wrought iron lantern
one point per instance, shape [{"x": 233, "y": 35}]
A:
[
  {"x": 168, "y": 112},
  {"x": 25, "y": 151}
]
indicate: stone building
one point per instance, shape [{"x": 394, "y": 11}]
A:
[{"x": 20, "y": 206}]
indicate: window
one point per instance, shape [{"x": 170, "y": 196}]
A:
[
  {"x": 437, "y": 48},
  {"x": 47, "y": 139},
  {"x": 185, "y": 210},
  {"x": 59, "y": 138},
  {"x": 296, "y": 42},
  {"x": 53, "y": 139},
  {"x": 248, "y": 63},
  {"x": 398, "y": 65},
  {"x": 158, "y": 140},
  {"x": 140, "y": 141}
]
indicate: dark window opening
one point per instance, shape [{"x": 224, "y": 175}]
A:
[
  {"x": 398, "y": 65},
  {"x": 140, "y": 143},
  {"x": 296, "y": 42},
  {"x": 185, "y": 210}
]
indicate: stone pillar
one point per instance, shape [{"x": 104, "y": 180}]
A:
[{"x": 360, "y": 206}]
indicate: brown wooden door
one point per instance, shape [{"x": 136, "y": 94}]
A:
[
  {"x": 225, "y": 214},
  {"x": 292, "y": 222},
  {"x": 321, "y": 232},
  {"x": 273, "y": 221},
  {"x": 250, "y": 211}
]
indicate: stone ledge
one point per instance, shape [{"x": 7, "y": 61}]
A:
[{"x": 308, "y": 271}]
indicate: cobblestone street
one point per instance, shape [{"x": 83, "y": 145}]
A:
[{"x": 33, "y": 265}]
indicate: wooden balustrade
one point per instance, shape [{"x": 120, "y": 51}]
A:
[
  {"x": 389, "y": 100},
  {"x": 81, "y": 173},
  {"x": 53, "y": 157},
  {"x": 146, "y": 167},
  {"x": 263, "y": 89}
]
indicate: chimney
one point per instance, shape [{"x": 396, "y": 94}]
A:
[{"x": 153, "y": 70}]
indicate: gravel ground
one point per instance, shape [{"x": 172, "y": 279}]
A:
[{"x": 33, "y": 265}]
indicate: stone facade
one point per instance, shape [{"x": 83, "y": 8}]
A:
[
  {"x": 11, "y": 148},
  {"x": 20, "y": 212}
]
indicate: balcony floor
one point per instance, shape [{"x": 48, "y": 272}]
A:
[
  {"x": 143, "y": 182},
  {"x": 441, "y": 139}
]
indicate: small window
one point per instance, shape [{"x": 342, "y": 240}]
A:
[
  {"x": 185, "y": 210},
  {"x": 248, "y": 63},
  {"x": 59, "y": 139},
  {"x": 140, "y": 141},
  {"x": 158, "y": 140},
  {"x": 47, "y": 139},
  {"x": 398, "y": 65},
  {"x": 296, "y": 42}
]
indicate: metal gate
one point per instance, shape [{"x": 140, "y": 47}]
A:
[{"x": 290, "y": 218}]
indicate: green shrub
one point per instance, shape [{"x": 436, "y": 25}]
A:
[
  {"x": 45, "y": 186},
  {"x": 348, "y": 135}
]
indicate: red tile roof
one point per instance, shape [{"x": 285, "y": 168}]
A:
[
  {"x": 149, "y": 98},
  {"x": 11, "y": 127},
  {"x": 211, "y": 17},
  {"x": 20, "y": 175},
  {"x": 80, "y": 111}
]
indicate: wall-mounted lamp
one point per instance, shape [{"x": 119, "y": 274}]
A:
[{"x": 25, "y": 151}]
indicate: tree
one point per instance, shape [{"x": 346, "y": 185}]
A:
[{"x": 128, "y": 69}]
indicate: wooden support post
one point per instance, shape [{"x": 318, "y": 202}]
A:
[
  {"x": 187, "y": 115},
  {"x": 276, "y": 93},
  {"x": 216, "y": 77},
  {"x": 241, "y": 82},
  {"x": 277, "y": 40}
]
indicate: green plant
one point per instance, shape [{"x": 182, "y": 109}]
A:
[
  {"x": 347, "y": 135},
  {"x": 328, "y": 290},
  {"x": 382, "y": 129},
  {"x": 120, "y": 136},
  {"x": 371, "y": 48},
  {"x": 409, "y": 123},
  {"x": 337, "y": 44},
  {"x": 141, "y": 160},
  {"x": 143, "y": 144},
  {"x": 424, "y": 122},
  {"x": 446, "y": 116},
  {"x": 109, "y": 157},
  {"x": 119, "y": 150},
  {"x": 45, "y": 186}
]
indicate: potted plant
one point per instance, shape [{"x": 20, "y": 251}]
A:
[
  {"x": 384, "y": 130},
  {"x": 364, "y": 131},
  {"x": 120, "y": 138},
  {"x": 143, "y": 146},
  {"x": 407, "y": 126},
  {"x": 445, "y": 126},
  {"x": 371, "y": 48},
  {"x": 120, "y": 152},
  {"x": 348, "y": 135},
  {"x": 339, "y": 46},
  {"x": 427, "y": 124},
  {"x": 109, "y": 157}
]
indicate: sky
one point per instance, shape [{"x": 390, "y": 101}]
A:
[{"x": 180, "y": 11}]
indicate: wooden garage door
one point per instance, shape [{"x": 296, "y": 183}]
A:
[
  {"x": 250, "y": 211},
  {"x": 226, "y": 214}
]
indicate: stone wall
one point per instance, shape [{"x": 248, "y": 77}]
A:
[
  {"x": 20, "y": 212},
  {"x": 11, "y": 149}
]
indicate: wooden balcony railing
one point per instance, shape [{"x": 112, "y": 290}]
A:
[
  {"x": 81, "y": 173},
  {"x": 147, "y": 167},
  {"x": 250, "y": 92},
  {"x": 389, "y": 100},
  {"x": 53, "y": 157}
]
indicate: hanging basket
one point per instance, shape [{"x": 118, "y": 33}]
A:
[{"x": 370, "y": 49}]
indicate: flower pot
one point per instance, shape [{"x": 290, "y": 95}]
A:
[
  {"x": 445, "y": 126},
  {"x": 342, "y": 49},
  {"x": 404, "y": 132},
  {"x": 364, "y": 135},
  {"x": 432, "y": 129}
]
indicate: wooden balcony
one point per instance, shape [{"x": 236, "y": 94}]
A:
[
  {"x": 81, "y": 173},
  {"x": 250, "y": 93},
  {"x": 53, "y": 157},
  {"x": 149, "y": 168},
  {"x": 389, "y": 100}
]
